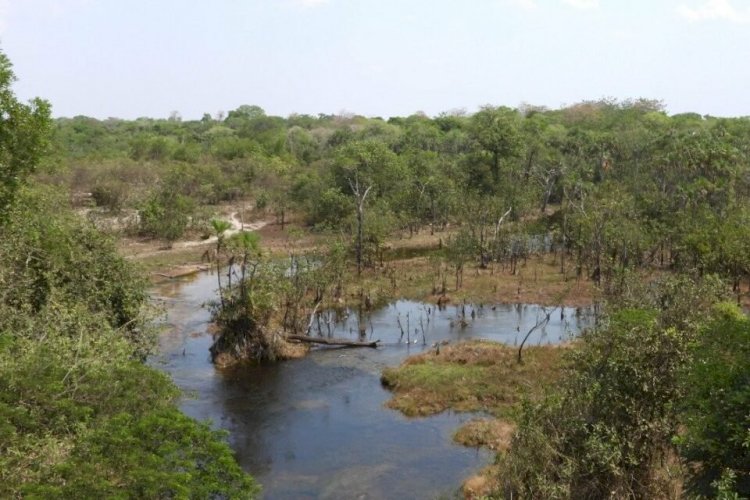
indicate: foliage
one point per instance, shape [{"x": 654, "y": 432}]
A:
[
  {"x": 50, "y": 255},
  {"x": 632, "y": 187},
  {"x": 261, "y": 300},
  {"x": 82, "y": 418},
  {"x": 161, "y": 454},
  {"x": 243, "y": 313},
  {"x": 166, "y": 215},
  {"x": 24, "y": 131},
  {"x": 110, "y": 195},
  {"x": 607, "y": 431},
  {"x": 81, "y": 415},
  {"x": 716, "y": 408}
]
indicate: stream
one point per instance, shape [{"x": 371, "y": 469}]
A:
[{"x": 317, "y": 427}]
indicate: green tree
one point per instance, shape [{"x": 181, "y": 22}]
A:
[
  {"x": 497, "y": 131},
  {"x": 80, "y": 414},
  {"x": 166, "y": 215},
  {"x": 716, "y": 407},
  {"x": 162, "y": 454},
  {"x": 364, "y": 168},
  {"x": 609, "y": 429},
  {"x": 24, "y": 130},
  {"x": 220, "y": 227}
]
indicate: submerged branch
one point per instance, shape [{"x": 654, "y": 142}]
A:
[
  {"x": 540, "y": 323},
  {"x": 336, "y": 342}
]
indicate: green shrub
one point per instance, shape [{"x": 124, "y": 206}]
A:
[
  {"x": 607, "y": 431},
  {"x": 716, "y": 407}
]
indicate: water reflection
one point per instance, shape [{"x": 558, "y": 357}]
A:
[{"x": 317, "y": 427}]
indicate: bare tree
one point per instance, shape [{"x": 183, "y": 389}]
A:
[
  {"x": 540, "y": 322},
  {"x": 360, "y": 193}
]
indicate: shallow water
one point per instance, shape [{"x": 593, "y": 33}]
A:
[{"x": 317, "y": 427}]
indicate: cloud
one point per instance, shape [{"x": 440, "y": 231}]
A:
[
  {"x": 523, "y": 4},
  {"x": 311, "y": 3},
  {"x": 534, "y": 5},
  {"x": 711, "y": 10},
  {"x": 582, "y": 4}
]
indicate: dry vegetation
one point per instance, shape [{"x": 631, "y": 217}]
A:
[
  {"x": 537, "y": 281},
  {"x": 409, "y": 269}
]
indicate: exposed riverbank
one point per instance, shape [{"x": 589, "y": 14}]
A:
[{"x": 408, "y": 271}]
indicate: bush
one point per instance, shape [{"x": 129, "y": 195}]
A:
[
  {"x": 81, "y": 416},
  {"x": 162, "y": 454},
  {"x": 49, "y": 255},
  {"x": 607, "y": 431},
  {"x": 166, "y": 215},
  {"x": 716, "y": 408},
  {"x": 110, "y": 195}
]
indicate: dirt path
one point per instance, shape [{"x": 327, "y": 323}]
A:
[{"x": 237, "y": 227}]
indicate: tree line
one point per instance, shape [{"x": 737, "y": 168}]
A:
[{"x": 616, "y": 185}]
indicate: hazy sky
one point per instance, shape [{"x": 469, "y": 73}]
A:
[{"x": 130, "y": 58}]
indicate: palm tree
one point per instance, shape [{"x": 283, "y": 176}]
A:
[
  {"x": 248, "y": 243},
  {"x": 219, "y": 227}
]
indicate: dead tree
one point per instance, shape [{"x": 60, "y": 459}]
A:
[
  {"x": 333, "y": 342},
  {"x": 539, "y": 323},
  {"x": 360, "y": 193}
]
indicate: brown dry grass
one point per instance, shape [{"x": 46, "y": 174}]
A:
[
  {"x": 154, "y": 261},
  {"x": 482, "y": 484},
  {"x": 491, "y": 433},
  {"x": 408, "y": 267},
  {"x": 293, "y": 238},
  {"x": 537, "y": 281}
]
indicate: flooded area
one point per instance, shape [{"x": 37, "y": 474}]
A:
[{"x": 317, "y": 427}]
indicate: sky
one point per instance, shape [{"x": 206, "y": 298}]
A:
[{"x": 132, "y": 58}]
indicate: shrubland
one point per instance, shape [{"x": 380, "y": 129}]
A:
[
  {"x": 649, "y": 210},
  {"x": 652, "y": 402},
  {"x": 81, "y": 414}
]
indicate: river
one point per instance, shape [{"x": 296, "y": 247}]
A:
[{"x": 317, "y": 427}]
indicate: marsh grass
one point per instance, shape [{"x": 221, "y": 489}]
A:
[
  {"x": 476, "y": 376},
  {"x": 492, "y": 433},
  {"x": 407, "y": 272},
  {"x": 537, "y": 281}
]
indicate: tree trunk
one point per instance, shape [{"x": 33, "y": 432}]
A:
[
  {"x": 361, "y": 197},
  {"x": 333, "y": 342},
  {"x": 358, "y": 250},
  {"x": 496, "y": 166}
]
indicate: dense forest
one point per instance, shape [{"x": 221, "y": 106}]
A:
[
  {"x": 618, "y": 186},
  {"x": 652, "y": 210}
]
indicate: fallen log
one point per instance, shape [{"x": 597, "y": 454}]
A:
[{"x": 336, "y": 342}]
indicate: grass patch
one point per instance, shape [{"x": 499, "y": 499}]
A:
[
  {"x": 471, "y": 376},
  {"x": 492, "y": 433},
  {"x": 474, "y": 376},
  {"x": 162, "y": 261}
]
